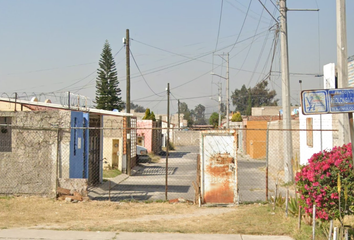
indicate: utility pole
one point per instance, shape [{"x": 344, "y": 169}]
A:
[
  {"x": 168, "y": 138},
  {"x": 227, "y": 86},
  {"x": 342, "y": 67},
  {"x": 179, "y": 123},
  {"x": 219, "y": 99},
  {"x": 127, "y": 105},
  {"x": 287, "y": 135},
  {"x": 227, "y": 92}
]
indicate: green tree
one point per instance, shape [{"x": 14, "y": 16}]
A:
[
  {"x": 240, "y": 99},
  {"x": 236, "y": 117},
  {"x": 262, "y": 96},
  {"x": 248, "y": 111},
  {"x": 214, "y": 119},
  {"x": 149, "y": 115},
  {"x": 244, "y": 99},
  {"x": 187, "y": 115},
  {"x": 107, "y": 90},
  {"x": 199, "y": 112},
  {"x": 139, "y": 109}
]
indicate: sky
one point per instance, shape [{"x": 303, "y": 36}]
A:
[{"x": 51, "y": 47}]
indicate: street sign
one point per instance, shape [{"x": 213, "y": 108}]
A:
[
  {"x": 324, "y": 101},
  {"x": 314, "y": 101},
  {"x": 341, "y": 100}
]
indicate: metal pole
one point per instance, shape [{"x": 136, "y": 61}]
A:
[
  {"x": 299, "y": 219},
  {"x": 127, "y": 105},
  {"x": 219, "y": 98},
  {"x": 57, "y": 163},
  {"x": 313, "y": 221},
  {"x": 335, "y": 233},
  {"x": 342, "y": 66},
  {"x": 227, "y": 92},
  {"x": 168, "y": 139},
  {"x": 330, "y": 230},
  {"x": 179, "y": 123},
  {"x": 68, "y": 100},
  {"x": 300, "y": 81},
  {"x": 351, "y": 134},
  {"x": 287, "y": 135},
  {"x": 287, "y": 202},
  {"x": 15, "y": 101},
  {"x": 267, "y": 152}
]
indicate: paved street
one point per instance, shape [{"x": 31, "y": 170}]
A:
[{"x": 148, "y": 180}]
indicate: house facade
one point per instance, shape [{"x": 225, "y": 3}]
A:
[{"x": 46, "y": 142}]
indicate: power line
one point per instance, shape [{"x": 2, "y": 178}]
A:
[
  {"x": 49, "y": 69},
  {"x": 243, "y": 24},
  {"x": 76, "y": 82},
  {"x": 268, "y": 11},
  {"x": 245, "y": 12},
  {"x": 86, "y": 76},
  {"x": 249, "y": 49},
  {"x": 217, "y": 38},
  {"x": 143, "y": 75}
]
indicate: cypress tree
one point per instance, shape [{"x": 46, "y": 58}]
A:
[{"x": 107, "y": 90}]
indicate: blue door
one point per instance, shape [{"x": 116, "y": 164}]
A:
[{"x": 78, "y": 145}]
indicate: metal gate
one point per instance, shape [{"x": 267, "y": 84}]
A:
[{"x": 219, "y": 168}]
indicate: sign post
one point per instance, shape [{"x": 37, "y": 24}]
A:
[{"x": 330, "y": 101}]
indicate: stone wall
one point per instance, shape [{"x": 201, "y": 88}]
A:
[{"x": 30, "y": 165}]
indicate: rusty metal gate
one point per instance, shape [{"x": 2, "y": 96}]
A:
[{"x": 219, "y": 167}]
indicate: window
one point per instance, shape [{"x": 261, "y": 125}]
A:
[
  {"x": 309, "y": 134},
  {"x": 5, "y": 134}
]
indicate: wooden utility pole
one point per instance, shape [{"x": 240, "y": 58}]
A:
[
  {"x": 227, "y": 93},
  {"x": 179, "y": 121},
  {"x": 168, "y": 139},
  {"x": 127, "y": 105},
  {"x": 342, "y": 67},
  {"x": 287, "y": 135}
]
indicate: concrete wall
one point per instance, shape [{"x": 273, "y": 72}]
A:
[
  {"x": 7, "y": 106},
  {"x": 268, "y": 110},
  {"x": 276, "y": 146},
  {"x": 186, "y": 138},
  {"x": 30, "y": 166},
  {"x": 113, "y": 134},
  {"x": 144, "y": 128},
  {"x": 321, "y": 140},
  {"x": 256, "y": 139}
]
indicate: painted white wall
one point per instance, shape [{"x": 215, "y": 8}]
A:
[{"x": 321, "y": 140}]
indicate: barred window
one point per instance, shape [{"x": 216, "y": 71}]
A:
[{"x": 5, "y": 134}]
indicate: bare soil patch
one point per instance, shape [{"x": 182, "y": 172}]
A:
[{"x": 36, "y": 212}]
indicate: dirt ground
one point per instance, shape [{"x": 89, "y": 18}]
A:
[{"x": 44, "y": 213}]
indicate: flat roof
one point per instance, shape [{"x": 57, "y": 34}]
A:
[{"x": 72, "y": 108}]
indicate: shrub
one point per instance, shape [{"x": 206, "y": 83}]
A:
[
  {"x": 320, "y": 182},
  {"x": 236, "y": 117},
  {"x": 171, "y": 146}
]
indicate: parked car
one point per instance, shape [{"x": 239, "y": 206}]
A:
[{"x": 142, "y": 154}]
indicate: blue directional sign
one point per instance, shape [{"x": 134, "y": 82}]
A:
[
  {"x": 341, "y": 100},
  {"x": 314, "y": 101},
  {"x": 323, "y": 101}
]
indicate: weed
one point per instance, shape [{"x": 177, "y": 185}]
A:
[{"x": 111, "y": 173}]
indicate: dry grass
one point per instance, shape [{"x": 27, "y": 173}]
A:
[{"x": 38, "y": 212}]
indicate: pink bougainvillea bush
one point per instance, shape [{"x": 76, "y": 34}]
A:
[{"x": 317, "y": 183}]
